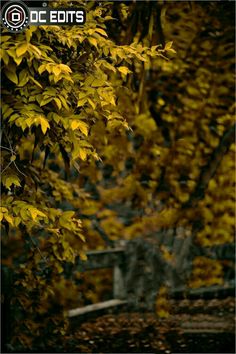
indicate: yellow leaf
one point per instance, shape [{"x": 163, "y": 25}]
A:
[
  {"x": 183, "y": 197},
  {"x": 40, "y": 213},
  {"x": 21, "y": 49},
  {"x": 83, "y": 256},
  {"x": 93, "y": 41},
  {"x": 18, "y": 60},
  {"x": 92, "y": 103},
  {"x": 9, "y": 219},
  {"x": 42, "y": 68},
  {"x": 163, "y": 313},
  {"x": 74, "y": 124},
  {"x": 124, "y": 70},
  {"x": 169, "y": 48},
  {"x": 82, "y": 154},
  {"x": 65, "y": 68},
  {"x": 64, "y": 103},
  {"x": 64, "y": 223},
  {"x": 33, "y": 212},
  {"x": 81, "y": 102},
  {"x": 58, "y": 102},
  {"x": 101, "y": 31},
  {"x": 98, "y": 83},
  {"x": 9, "y": 181},
  {"x": 17, "y": 221},
  {"x": 56, "y": 70},
  {"x": 168, "y": 45},
  {"x": 44, "y": 124},
  {"x": 82, "y": 237},
  {"x": 81, "y": 125},
  {"x": 28, "y": 32},
  {"x": 3, "y": 210},
  {"x": 68, "y": 214},
  {"x": 37, "y": 52},
  {"x": 1, "y": 216}
]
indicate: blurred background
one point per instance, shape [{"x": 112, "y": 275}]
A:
[{"x": 150, "y": 172}]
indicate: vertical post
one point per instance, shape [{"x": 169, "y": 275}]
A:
[{"x": 118, "y": 282}]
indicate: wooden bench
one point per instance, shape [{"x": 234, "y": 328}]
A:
[{"x": 116, "y": 258}]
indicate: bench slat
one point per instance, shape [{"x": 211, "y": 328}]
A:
[
  {"x": 96, "y": 307},
  {"x": 102, "y": 259}
]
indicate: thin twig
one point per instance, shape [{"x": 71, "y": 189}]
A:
[
  {"x": 18, "y": 169},
  {"x": 4, "y": 147},
  {"x": 6, "y": 167},
  {"x": 38, "y": 249},
  {"x": 13, "y": 154},
  {"x": 9, "y": 141}
]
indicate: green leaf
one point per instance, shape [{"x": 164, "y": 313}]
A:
[
  {"x": 7, "y": 112},
  {"x": 23, "y": 78},
  {"x": 11, "y": 76},
  {"x": 4, "y": 56},
  {"x": 36, "y": 82},
  {"x": 5, "y": 38}
]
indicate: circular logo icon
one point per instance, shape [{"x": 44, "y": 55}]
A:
[{"x": 15, "y": 16}]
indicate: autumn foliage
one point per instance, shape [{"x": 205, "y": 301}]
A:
[{"x": 126, "y": 123}]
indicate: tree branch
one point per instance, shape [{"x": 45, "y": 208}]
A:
[{"x": 209, "y": 170}]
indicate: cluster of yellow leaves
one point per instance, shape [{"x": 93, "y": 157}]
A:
[
  {"x": 206, "y": 272},
  {"x": 196, "y": 107},
  {"x": 162, "y": 304},
  {"x": 20, "y": 211}
]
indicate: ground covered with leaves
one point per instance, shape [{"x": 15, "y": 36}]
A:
[{"x": 194, "y": 326}]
